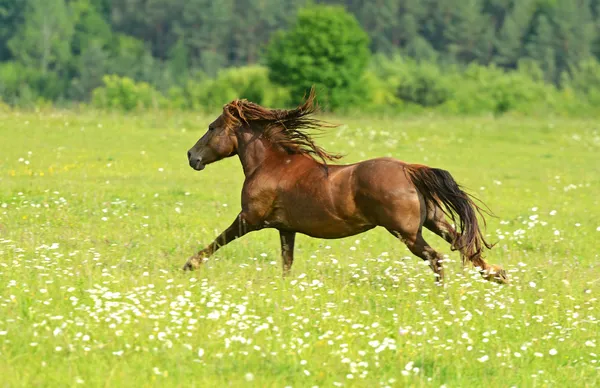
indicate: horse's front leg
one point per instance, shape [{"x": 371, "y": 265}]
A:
[
  {"x": 237, "y": 229},
  {"x": 287, "y": 250}
]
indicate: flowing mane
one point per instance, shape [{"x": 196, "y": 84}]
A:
[{"x": 284, "y": 127}]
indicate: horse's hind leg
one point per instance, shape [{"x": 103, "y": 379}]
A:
[
  {"x": 404, "y": 219},
  {"x": 437, "y": 223},
  {"x": 419, "y": 247}
]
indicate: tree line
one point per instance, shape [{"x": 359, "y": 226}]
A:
[{"x": 61, "y": 50}]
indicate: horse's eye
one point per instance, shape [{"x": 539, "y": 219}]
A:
[{"x": 211, "y": 129}]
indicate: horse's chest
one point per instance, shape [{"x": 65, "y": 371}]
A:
[
  {"x": 278, "y": 209},
  {"x": 257, "y": 202}
]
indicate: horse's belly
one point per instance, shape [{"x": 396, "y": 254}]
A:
[
  {"x": 318, "y": 223},
  {"x": 333, "y": 232}
]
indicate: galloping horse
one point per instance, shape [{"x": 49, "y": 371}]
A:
[{"x": 290, "y": 187}]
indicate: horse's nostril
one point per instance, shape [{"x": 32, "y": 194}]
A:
[{"x": 189, "y": 155}]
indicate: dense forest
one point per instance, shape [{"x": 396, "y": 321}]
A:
[{"x": 60, "y": 50}]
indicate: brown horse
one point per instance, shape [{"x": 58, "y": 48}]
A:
[{"x": 290, "y": 187}]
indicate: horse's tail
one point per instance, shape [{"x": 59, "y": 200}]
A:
[{"x": 440, "y": 188}]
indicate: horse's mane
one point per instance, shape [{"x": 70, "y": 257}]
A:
[{"x": 284, "y": 127}]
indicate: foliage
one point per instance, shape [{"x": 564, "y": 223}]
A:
[
  {"x": 208, "y": 94},
  {"x": 129, "y": 57},
  {"x": 91, "y": 27},
  {"x": 326, "y": 47},
  {"x": 59, "y": 50},
  {"x": 26, "y": 87},
  {"x": 204, "y": 93},
  {"x": 489, "y": 89},
  {"x": 93, "y": 65},
  {"x": 585, "y": 79},
  {"x": 126, "y": 94},
  {"x": 480, "y": 89},
  {"x": 43, "y": 41},
  {"x": 11, "y": 16},
  {"x": 421, "y": 83}
]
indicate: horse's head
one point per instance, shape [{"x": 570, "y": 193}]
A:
[{"x": 218, "y": 142}]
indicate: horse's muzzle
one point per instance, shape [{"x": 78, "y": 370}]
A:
[{"x": 196, "y": 162}]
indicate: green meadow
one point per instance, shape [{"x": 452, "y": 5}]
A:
[{"x": 99, "y": 212}]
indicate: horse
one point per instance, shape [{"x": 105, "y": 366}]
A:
[{"x": 290, "y": 186}]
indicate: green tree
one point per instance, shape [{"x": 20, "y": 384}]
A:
[
  {"x": 498, "y": 10},
  {"x": 326, "y": 47},
  {"x": 563, "y": 36},
  {"x": 43, "y": 41},
  {"x": 252, "y": 28},
  {"x": 595, "y": 9},
  {"x": 92, "y": 40},
  {"x": 130, "y": 58},
  {"x": 90, "y": 26},
  {"x": 104, "y": 8},
  {"x": 92, "y": 66},
  {"x": 585, "y": 79},
  {"x": 510, "y": 40},
  {"x": 11, "y": 16},
  {"x": 541, "y": 47},
  {"x": 207, "y": 25},
  {"x": 379, "y": 18},
  {"x": 468, "y": 33},
  {"x": 406, "y": 32},
  {"x": 575, "y": 33},
  {"x": 152, "y": 21},
  {"x": 179, "y": 62}
]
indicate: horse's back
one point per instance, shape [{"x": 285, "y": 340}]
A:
[{"x": 383, "y": 174}]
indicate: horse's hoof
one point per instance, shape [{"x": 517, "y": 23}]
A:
[
  {"x": 192, "y": 264},
  {"x": 498, "y": 275},
  {"x": 501, "y": 277}
]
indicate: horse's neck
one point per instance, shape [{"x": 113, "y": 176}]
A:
[{"x": 253, "y": 152}]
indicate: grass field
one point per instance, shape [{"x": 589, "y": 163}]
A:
[{"x": 99, "y": 212}]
